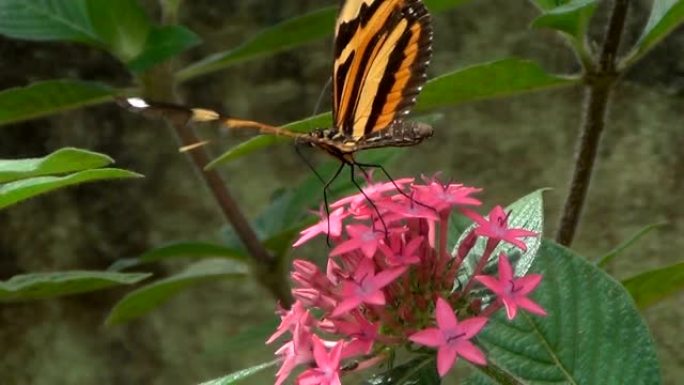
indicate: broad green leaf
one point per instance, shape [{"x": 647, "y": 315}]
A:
[
  {"x": 194, "y": 250},
  {"x": 571, "y": 18},
  {"x": 666, "y": 15},
  {"x": 62, "y": 161},
  {"x": 286, "y": 35},
  {"x": 653, "y": 286},
  {"x": 50, "y": 97},
  {"x": 605, "y": 260},
  {"x": 525, "y": 213},
  {"x": 17, "y": 191},
  {"x": 240, "y": 375},
  {"x": 593, "y": 333},
  {"x": 146, "y": 298},
  {"x": 264, "y": 141},
  {"x": 486, "y": 81},
  {"x": 283, "y": 36},
  {"x": 57, "y": 284},
  {"x": 421, "y": 370},
  {"x": 163, "y": 43},
  {"x": 119, "y": 26},
  {"x": 48, "y": 20}
]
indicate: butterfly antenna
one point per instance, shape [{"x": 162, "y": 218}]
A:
[
  {"x": 375, "y": 208},
  {"x": 319, "y": 102},
  {"x": 298, "y": 150}
]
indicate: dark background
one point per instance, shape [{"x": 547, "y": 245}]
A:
[{"x": 509, "y": 146}]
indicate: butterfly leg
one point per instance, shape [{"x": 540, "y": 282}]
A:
[
  {"x": 326, "y": 187},
  {"x": 370, "y": 201}
]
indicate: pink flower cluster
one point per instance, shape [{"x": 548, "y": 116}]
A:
[{"x": 389, "y": 282}]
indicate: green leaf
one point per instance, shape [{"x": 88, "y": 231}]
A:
[
  {"x": 57, "y": 284},
  {"x": 17, "y": 191},
  {"x": 525, "y": 213},
  {"x": 163, "y": 43},
  {"x": 488, "y": 80},
  {"x": 288, "y": 34},
  {"x": 421, "y": 370},
  {"x": 264, "y": 141},
  {"x": 50, "y": 97},
  {"x": 666, "y": 15},
  {"x": 194, "y": 250},
  {"x": 146, "y": 298},
  {"x": 605, "y": 260},
  {"x": 119, "y": 26},
  {"x": 593, "y": 333},
  {"x": 240, "y": 375},
  {"x": 653, "y": 286},
  {"x": 571, "y": 18},
  {"x": 62, "y": 161},
  {"x": 283, "y": 36},
  {"x": 48, "y": 20}
]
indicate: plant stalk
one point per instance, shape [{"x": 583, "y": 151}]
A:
[
  {"x": 159, "y": 83},
  {"x": 600, "y": 79}
]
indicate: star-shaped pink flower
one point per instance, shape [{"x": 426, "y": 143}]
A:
[
  {"x": 496, "y": 227},
  {"x": 365, "y": 287},
  {"x": 400, "y": 254},
  {"x": 444, "y": 196},
  {"x": 327, "y": 369},
  {"x": 362, "y": 332},
  {"x": 451, "y": 338},
  {"x": 295, "y": 352},
  {"x": 365, "y": 238},
  {"x": 331, "y": 226},
  {"x": 290, "y": 318},
  {"x": 372, "y": 191},
  {"x": 409, "y": 208},
  {"x": 513, "y": 291}
]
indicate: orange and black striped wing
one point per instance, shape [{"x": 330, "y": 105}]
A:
[{"x": 382, "y": 50}]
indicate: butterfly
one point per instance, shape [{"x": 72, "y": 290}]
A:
[{"x": 382, "y": 49}]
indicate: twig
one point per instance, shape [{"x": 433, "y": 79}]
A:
[
  {"x": 599, "y": 79},
  {"x": 159, "y": 83}
]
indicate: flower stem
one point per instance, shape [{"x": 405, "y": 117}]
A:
[
  {"x": 489, "y": 248},
  {"x": 600, "y": 79}
]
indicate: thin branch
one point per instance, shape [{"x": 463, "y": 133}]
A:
[
  {"x": 600, "y": 80},
  {"x": 159, "y": 83}
]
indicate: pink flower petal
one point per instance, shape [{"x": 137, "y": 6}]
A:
[
  {"x": 446, "y": 319},
  {"x": 470, "y": 352},
  {"x": 432, "y": 337},
  {"x": 446, "y": 358}
]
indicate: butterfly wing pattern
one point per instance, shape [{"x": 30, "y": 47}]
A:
[{"x": 382, "y": 49}]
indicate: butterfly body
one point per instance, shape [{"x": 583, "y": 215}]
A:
[
  {"x": 382, "y": 49},
  {"x": 398, "y": 134}
]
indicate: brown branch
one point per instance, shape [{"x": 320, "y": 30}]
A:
[
  {"x": 159, "y": 84},
  {"x": 599, "y": 80}
]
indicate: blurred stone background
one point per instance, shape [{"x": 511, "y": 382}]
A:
[{"x": 508, "y": 146}]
